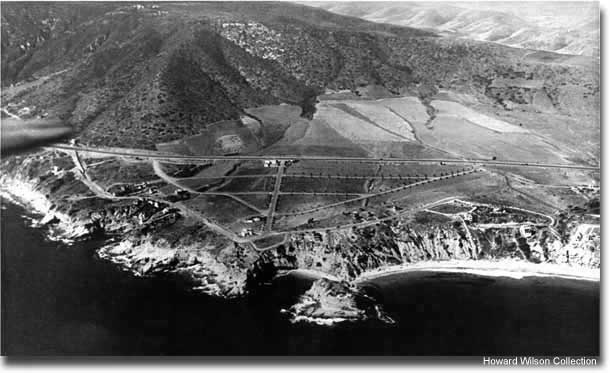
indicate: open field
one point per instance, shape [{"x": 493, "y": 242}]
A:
[
  {"x": 225, "y": 137},
  {"x": 351, "y": 127},
  {"x": 260, "y": 201},
  {"x": 214, "y": 169},
  {"x": 431, "y": 191},
  {"x": 393, "y": 115},
  {"x": 321, "y": 185},
  {"x": 451, "y": 208},
  {"x": 315, "y": 218},
  {"x": 577, "y": 135},
  {"x": 454, "y": 109},
  {"x": 289, "y": 204},
  {"x": 385, "y": 168},
  {"x": 337, "y": 168},
  {"x": 463, "y": 138},
  {"x": 312, "y": 168},
  {"x": 382, "y": 185},
  {"x": 547, "y": 176},
  {"x": 327, "y": 194},
  {"x": 222, "y": 210},
  {"x": 581, "y": 136},
  {"x": 315, "y": 137},
  {"x": 113, "y": 170},
  {"x": 284, "y": 132},
  {"x": 252, "y": 168},
  {"x": 183, "y": 170},
  {"x": 247, "y": 184},
  {"x": 269, "y": 241},
  {"x": 342, "y": 212},
  {"x": 275, "y": 120},
  {"x": 342, "y": 201},
  {"x": 431, "y": 169},
  {"x": 408, "y": 108},
  {"x": 199, "y": 185},
  {"x": 168, "y": 189},
  {"x": 379, "y": 116},
  {"x": 558, "y": 196}
]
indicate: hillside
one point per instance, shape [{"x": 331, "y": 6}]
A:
[
  {"x": 228, "y": 143},
  {"x": 565, "y": 27},
  {"x": 139, "y": 75}
]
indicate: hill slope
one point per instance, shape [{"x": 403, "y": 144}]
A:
[
  {"x": 563, "y": 27},
  {"x": 133, "y": 75}
]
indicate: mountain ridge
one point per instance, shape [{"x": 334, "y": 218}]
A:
[
  {"x": 574, "y": 30},
  {"x": 138, "y": 75}
]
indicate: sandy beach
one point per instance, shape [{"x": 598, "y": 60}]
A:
[{"x": 516, "y": 269}]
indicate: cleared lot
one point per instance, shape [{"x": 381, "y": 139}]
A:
[{"x": 456, "y": 110}]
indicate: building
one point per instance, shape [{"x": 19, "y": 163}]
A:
[
  {"x": 526, "y": 231},
  {"x": 24, "y": 111},
  {"x": 271, "y": 163}
]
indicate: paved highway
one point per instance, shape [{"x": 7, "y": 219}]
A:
[{"x": 158, "y": 156}]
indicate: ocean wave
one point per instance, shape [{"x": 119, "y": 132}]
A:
[{"x": 58, "y": 226}]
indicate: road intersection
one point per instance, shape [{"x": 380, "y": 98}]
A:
[{"x": 156, "y": 158}]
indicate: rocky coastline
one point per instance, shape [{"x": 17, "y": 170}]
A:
[{"x": 148, "y": 242}]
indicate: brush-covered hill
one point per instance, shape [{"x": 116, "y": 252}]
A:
[{"x": 141, "y": 74}]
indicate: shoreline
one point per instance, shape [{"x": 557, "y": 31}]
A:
[
  {"x": 500, "y": 268},
  {"x": 509, "y": 268},
  {"x": 310, "y": 273},
  {"x": 24, "y": 194}
]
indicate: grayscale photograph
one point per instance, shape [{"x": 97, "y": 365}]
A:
[{"x": 301, "y": 178}]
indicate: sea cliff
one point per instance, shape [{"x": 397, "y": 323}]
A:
[{"x": 147, "y": 236}]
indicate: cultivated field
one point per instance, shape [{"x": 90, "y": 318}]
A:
[
  {"x": 456, "y": 110},
  {"x": 408, "y": 108},
  {"x": 352, "y": 127},
  {"x": 465, "y": 139},
  {"x": 260, "y": 203},
  {"x": 380, "y": 116}
]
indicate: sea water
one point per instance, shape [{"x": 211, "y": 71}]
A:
[{"x": 62, "y": 299}]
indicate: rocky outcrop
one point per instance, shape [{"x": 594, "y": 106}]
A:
[
  {"x": 149, "y": 236},
  {"x": 328, "y": 302},
  {"x": 146, "y": 237},
  {"x": 209, "y": 273}
]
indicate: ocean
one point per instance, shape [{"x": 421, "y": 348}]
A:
[{"x": 60, "y": 299}]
